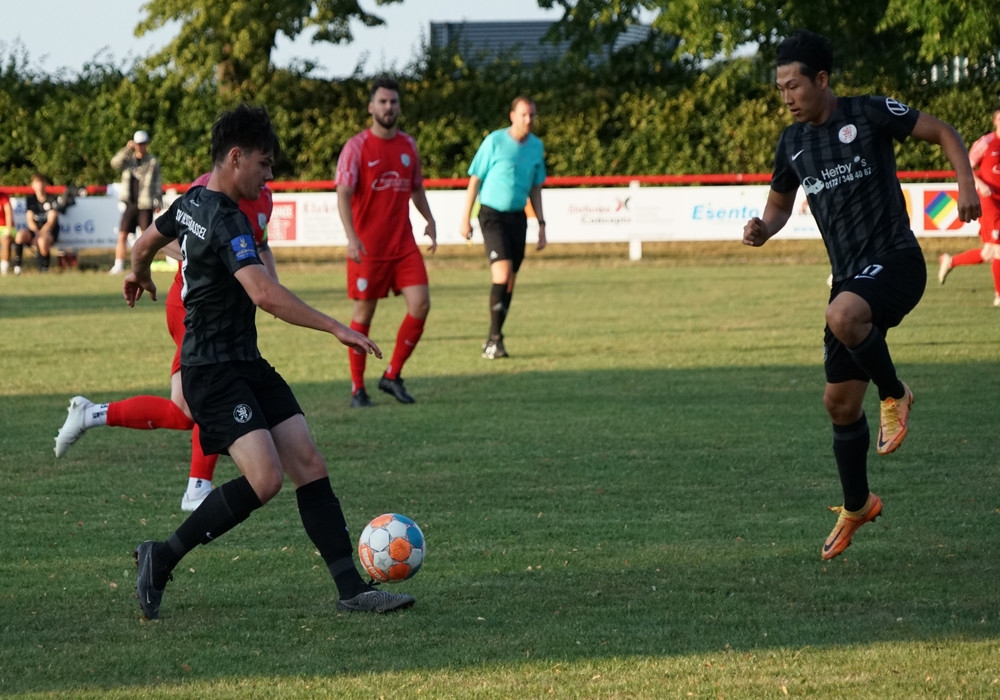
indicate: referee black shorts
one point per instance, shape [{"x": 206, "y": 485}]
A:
[
  {"x": 504, "y": 233},
  {"x": 231, "y": 399},
  {"x": 892, "y": 286}
]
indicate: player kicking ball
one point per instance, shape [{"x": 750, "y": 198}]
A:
[{"x": 242, "y": 405}]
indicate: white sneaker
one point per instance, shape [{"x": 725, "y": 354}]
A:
[
  {"x": 17, "y": 269},
  {"x": 192, "y": 500},
  {"x": 944, "y": 267},
  {"x": 75, "y": 424}
]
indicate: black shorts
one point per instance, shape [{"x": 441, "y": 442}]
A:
[
  {"x": 133, "y": 216},
  {"x": 504, "y": 233},
  {"x": 230, "y": 399},
  {"x": 892, "y": 287}
]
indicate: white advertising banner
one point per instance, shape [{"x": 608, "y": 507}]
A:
[{"x": 573, "y": 215}]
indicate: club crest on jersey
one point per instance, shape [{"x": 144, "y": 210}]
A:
[
  {"x": 848, "y": 133},
  {"x": 406, "y": 159},
  {"x": 243, "y": 247},
  {"x": 896, "y": 107},
  {"x": 242, "y": 413}
]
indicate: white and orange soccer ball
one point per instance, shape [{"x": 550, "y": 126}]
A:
[{"x": 391, "y": 548}]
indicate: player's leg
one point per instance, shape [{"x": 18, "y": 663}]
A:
[
  {"x": 862, "y": 309},
  {"x": 137, "y": 412},
  {"x": 211, "y": 392},
  {"x": 362, "y": 313},
  {"x": 324, "y": 522},
  {"x": 410, "y": 278},
  {"x": 129, "y": 220},
  {"x": 360, "y": 278},
  {"x": 222, "y": 509},
  {"x": 45, "y": 241},
  {"x": 843, "y": 400},
  {"x": 6, "y": 240},
  {"x": 24, "y": 237}
]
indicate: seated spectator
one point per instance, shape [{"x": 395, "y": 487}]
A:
[
  {"x": 6, "y": 230},
  {"x": 42, "y": 228}
]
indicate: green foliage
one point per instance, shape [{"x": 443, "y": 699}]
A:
[{"x": 645, "y": 110}]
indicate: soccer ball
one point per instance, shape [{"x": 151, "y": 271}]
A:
[{"x": 391, "y": 548}]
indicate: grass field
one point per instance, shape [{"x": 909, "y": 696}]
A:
[{"x": 631, "y": 506}]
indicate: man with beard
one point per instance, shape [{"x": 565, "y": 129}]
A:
[{"x": 378, "y": 173}]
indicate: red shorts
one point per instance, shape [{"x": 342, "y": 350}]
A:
[
  {"x": 175, "y": 323},
  {"x": 989, "y": 222},
  {"x": 373, "y": 279}
]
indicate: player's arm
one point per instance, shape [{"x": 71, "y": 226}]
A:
[
  {"x": 267, "y": 257},
  {"x": 355, "y": 248},
  {"x": 777, "y": 210},
  {"x": 281, "y": 303},
  {"x": 976, "y": 153},
  {"x": 931, "y": 129},
  {"x": 51, "y": 221},
  {"x": 139, "y": 277},
  {"x": 471, "y": 192},
  {"x": 419, "y": 197},
  {"x": 535, "y": 197}
]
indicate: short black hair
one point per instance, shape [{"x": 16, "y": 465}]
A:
[
  {"x": 384, "y": 81},
  {"x": 247, "y": 127},
  {"x": 811, "y": 50}
]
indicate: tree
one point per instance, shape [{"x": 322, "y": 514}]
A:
[
  {"x": 228, "y": 43},
  {"x": 878, "y": 42}
]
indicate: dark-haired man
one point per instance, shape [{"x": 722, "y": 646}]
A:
[
  {"x": 840, "y": 150},
  {"x": 241, "y": 404},
  {"x": 378, "y": 174}
]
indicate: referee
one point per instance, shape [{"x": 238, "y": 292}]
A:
[{"x": 507, "y": 171}]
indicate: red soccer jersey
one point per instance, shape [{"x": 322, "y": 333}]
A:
[
  {"x": 4, "y": 200},
  {"x": 382, "y": 173},
  {"x": 986, "y": 151}
]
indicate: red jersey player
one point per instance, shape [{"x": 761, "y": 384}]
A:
[
  {"x": 985, "y": 159},
  {"x": 151, "y": 412},
  {"x": 378, "y": 174}
]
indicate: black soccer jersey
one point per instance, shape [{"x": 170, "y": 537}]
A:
[
  {"x": 216, "y": 240},
  {"x": 847, "y": 168}
]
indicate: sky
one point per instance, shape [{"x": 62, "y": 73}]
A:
[{"x": 71, "y": 33}]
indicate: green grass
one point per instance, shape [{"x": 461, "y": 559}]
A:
[{"x": 632, "y": 506}]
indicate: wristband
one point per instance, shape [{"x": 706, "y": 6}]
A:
[{"x": 541, "y": 222}]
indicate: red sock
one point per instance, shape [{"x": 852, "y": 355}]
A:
[
  {"x": 202, "y": 465},
  {"x": 148, "y": 413},
  {"x": 996, "y": 275},
  {"x": 409, "y": 333},
  {"x": 358, "y": 359},
  {"x": 969, "y": 257}
]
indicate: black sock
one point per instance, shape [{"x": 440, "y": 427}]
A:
[
  {"x": 872, "y": 355},
  {"x": 18, "y": 253},
  {"x": 223, "y": 509},
  {"x": 498, "y": 309},
  {"x": 43, "y": 261},
  {"x": 850, "y": 449},
  {"x": 324, "y": 522}
]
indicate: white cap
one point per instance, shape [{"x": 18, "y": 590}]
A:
[{"x": 140, "y": 136}]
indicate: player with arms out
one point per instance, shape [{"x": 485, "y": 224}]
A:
[
  {"x": 984, "y": 156},
  {"x": 155, "y": 412},
  {"x": 242, "y": 405},
  {"x": 840, "y": 150},
  {"x": 378, "y": 174}
]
